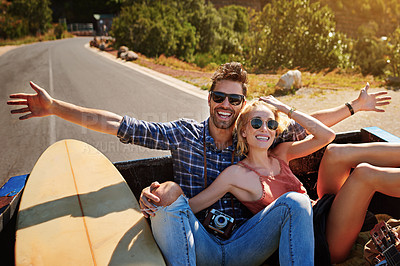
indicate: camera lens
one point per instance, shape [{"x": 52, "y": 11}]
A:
[{"x": 220, "y": 221}]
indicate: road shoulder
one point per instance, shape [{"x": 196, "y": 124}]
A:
[
  {"x": 5, "y": 49},
  {"x": 176, "y": 83}
]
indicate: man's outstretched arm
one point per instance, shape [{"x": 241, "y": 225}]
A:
[
  {"x": 42, "y": 104},
  {"x": 365, "y": 102}
]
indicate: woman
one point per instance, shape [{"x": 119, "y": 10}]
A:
[
  {"x": 344, "y": 197},
  {"x": 256, "y": 128},
  {"x": 264, "y": 175},
  {"x": 287, "y": 220}
]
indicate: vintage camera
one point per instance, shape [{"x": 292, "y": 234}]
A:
[{"x": 219, "y": 223}]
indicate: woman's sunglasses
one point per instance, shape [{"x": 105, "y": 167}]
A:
[
  {"x": 219, "y": 97},
  {"x": 257, "y": 123}
]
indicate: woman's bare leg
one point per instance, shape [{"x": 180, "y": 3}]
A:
[
  {"x": 348, "y": 210},
  {"x": 339, "y": 159}
]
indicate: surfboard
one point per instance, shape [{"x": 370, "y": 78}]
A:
[{"x": 77, "y": 209}]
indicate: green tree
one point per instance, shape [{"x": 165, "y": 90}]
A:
[
  {"x": 394, "y": 53},
  {"x": 36, "y": 13},
  {"x": 155, "y": 29},
  {"x": 205, "y": 19},
  {"x": 288, "y": 34},
  {"x": 11, "y": 27},
  {"x": 319, "y": 45},
  {"x": 234, "y": 27},
  {"x": 185, "y": 28},
  {"x": 386, "y": 13},
  {"x": 369, "y": 51}
]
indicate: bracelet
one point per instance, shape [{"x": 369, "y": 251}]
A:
[
  {"x": 350, "y": 108},
  {"x": 291, "y": 112}
]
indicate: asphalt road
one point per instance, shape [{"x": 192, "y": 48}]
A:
[{"x": 73, "y": 73}]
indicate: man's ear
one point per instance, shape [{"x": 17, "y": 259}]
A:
[{"x": 209, "y": 99}]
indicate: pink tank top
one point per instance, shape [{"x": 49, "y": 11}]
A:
[{"x": 274, "y": 186}]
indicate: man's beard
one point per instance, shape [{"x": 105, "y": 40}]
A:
[{"x": 222, "y": 124}]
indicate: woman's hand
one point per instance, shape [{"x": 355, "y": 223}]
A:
[{"x": 276, "y": 103}]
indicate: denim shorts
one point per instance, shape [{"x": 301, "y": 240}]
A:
[{"x": 320, "y": 213}]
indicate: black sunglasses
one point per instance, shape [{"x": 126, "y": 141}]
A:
[
  {"x": 257, "y": 123},
  {"x": 219, "y": 97}
]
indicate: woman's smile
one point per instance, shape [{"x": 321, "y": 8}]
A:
[{"x": 264, "y": 138}]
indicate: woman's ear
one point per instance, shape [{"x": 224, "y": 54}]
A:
[{"x": 243, "y": 133}]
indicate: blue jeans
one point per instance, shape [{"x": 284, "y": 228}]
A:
[{"x": 286, "y": 223}]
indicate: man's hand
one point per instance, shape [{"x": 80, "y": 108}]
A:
[
  {"x": 38, "y": 105},
  {"x": 145, "y": 200},
  {"x": 370, "y": 101}
]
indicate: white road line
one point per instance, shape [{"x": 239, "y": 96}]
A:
[{"x": 52, "y": 126}]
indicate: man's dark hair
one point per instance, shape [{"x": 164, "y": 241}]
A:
[{"x": 233, "y": 71}]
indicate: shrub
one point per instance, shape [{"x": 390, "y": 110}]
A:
[
  {"x": 369, "y": 51},
  {"x": 12, "y": 28},
  {"x": 154, "y": 30},
  {"x": 206, "y": 21},
  {"x": 36, "y": 13},
  {"x": 289, "y": 34},
  {"x": 233, "y": 30},
  {"x": 182, "y": 29},
  {"x": 394, "y": 53},
  {"x": 59, "y": 30}
]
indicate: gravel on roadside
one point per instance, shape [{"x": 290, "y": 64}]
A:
[
  {"x": 6, "y": 48},
  {"x": 310, "y": 100}
]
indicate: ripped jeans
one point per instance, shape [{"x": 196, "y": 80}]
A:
[{"x": 286, "y": 223}]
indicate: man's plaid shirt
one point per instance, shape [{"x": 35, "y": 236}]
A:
[{"x": 184, "y": 138}]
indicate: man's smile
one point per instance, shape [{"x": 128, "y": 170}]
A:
[{"x": 225, "y": 114}]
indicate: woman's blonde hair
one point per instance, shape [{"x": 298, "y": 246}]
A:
[{"x": 244, "y": 117}]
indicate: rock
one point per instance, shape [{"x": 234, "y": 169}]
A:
[
  {"x": 123, "y": 55},
  {"x": 94, "y": 43},
  {"x": 122, "y": 49},
  {"x": 290, "y": 79},
  {"x": 131, "y": 56}
]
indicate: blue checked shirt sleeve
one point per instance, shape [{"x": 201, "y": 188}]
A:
[
  {"x": 293, "y": 132},
  {"x": 162, "y": 136}
]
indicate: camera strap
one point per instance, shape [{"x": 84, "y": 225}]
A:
[{"x": 205, "y": 168}]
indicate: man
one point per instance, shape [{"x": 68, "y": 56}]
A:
[{"x": 186, "y": 139}]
